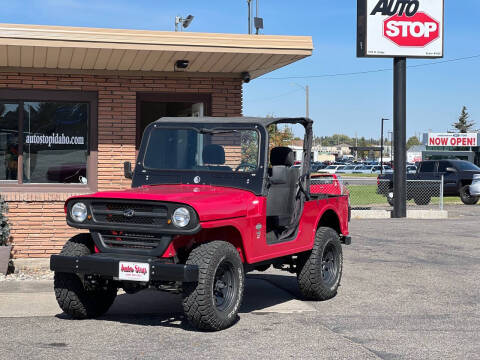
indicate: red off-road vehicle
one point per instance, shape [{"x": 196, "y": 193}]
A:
[{"x": 209, "y": 202}]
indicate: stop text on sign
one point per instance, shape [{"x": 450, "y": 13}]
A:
[
  {"x": 417, "y": 30},
  {"x": 467, "y": 139}
]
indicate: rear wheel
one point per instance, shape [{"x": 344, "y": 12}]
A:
[
  {"x": 72, "y": 296},
  {"x": 212, "y": 303},
  {"x": 465, "y": 196},
  {"x": 320, "y": 270}
]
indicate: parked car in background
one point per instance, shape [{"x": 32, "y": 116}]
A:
[
  {"x": 411, "y": 169},
  {"x": 458, "y": 176},
  {"x": 327, "y": 184},
  {"x": 386, "y": 169},
  {"x": 348, "y": 169},
  {"x": 475, "y": 186},
  {"x": 316, "y": 166},
  {"x": 332, "y": 169}
]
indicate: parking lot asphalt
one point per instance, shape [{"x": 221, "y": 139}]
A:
[{"x": 410, "y": 290}]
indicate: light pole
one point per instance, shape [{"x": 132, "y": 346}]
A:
[
  {"x": 381, "y": 146},
  {"x": 306, "y": 88}
]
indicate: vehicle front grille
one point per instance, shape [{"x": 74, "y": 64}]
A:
[
  {"x": 120, "y": 239},
  {"x": 129, "y": 213}
]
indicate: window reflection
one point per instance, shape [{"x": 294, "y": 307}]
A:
[
  {"x": 55, "y": 142},
  {"x": 8, "y": 141}
]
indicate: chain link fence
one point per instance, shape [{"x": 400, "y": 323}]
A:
[{"x": 372, "y": 193}]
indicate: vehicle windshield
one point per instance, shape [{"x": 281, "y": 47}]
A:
[
  {"x": 349, "y": 167},
  {"x": 332, "y": 167},
  {"x": 199, "y": 148},
  {"x": 466, "y": 166}
]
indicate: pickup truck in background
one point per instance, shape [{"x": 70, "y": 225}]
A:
[{"x": 457, "y": 175}]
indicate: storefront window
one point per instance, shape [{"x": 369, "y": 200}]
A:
[
  {"x": 8, "y": 141},
  {"x": 47, "y": 138},
  {"x": 55, "y": 142}
]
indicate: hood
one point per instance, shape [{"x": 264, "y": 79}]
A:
[{"x": 210, "y": 202}]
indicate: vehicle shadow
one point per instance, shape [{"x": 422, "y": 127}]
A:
[{"x": 155, "y": 308}]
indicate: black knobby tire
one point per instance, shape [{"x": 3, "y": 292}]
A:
[
  {"x": 212, "y": 303},
  {"x": 465, "y": 196},
  {"x": 72, "y": 297},
  {"x": 319, "y": 271}
]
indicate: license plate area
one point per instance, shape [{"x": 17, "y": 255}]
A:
[{"x": 133, "y": 271}]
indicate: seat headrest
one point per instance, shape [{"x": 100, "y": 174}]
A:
[
  {"x": 282, "y": 155},
  {"x": 213, "y": 154}
]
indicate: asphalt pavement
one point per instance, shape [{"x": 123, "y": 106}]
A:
[{"x": 409, "y": 291}]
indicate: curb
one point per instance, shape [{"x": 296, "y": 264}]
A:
[
  {"x": 411, "y": 214},
  {"x": 371, "y": 214}
]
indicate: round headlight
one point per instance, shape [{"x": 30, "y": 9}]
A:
[
  {"x": 181, "y": 217},
  {"x": 79, "y": 212}
]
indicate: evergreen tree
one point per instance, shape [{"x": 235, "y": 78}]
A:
[{"x": 463, "y": 125}]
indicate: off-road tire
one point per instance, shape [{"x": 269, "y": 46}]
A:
[
  {"x": 72, "y": 297},
  {"x": 422, "y": 200},
  {"x": 311, "y": 265},
  {"x": 201, "y": 299},
  {"x": 465, "y": 196}
]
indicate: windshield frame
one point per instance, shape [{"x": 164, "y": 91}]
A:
[
  {"x": 203, "y": 132},
  {"x": 251, "y": 181}
]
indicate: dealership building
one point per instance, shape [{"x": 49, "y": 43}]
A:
[
  {"x": 75, "y": 101},
  {"x": 462, "y": 146}
]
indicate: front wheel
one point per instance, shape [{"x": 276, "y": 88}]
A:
[
  {"x": 319, "y": 271},
  {"x": 466, "y": 197},
  {"x": 212, "y": 303},
  {"x": 72, "y": 296}
]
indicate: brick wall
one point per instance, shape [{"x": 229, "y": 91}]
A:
[{"x": 37, "y": 219}]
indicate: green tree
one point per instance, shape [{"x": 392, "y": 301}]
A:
[
  {"x": 412, "y": 141},
  {"x": 463, "y": 125},
  {"x": 279, "y": 137}
]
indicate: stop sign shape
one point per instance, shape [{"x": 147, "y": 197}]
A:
[{"x": 417, "y": 30}]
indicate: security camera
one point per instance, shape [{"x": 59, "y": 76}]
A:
[
  {"x": 245, "y": 77},
  {"x": 181, "y": 64},
  {"x": 187, "y": 21}
]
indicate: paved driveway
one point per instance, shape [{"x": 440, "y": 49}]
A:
[{"x": 410, "y": 290}]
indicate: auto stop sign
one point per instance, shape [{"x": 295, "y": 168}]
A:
[{"x": 400, "y": 28}]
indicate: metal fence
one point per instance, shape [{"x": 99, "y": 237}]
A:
[{"x": 370, "y": 193}]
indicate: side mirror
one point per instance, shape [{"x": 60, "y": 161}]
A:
[
  {"x": 127, "y": 170},
  {"x": 451, "y": 169},
  {"x": 279, "y": 175}
]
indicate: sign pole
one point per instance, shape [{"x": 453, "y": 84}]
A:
[{"x": 400, "y": 134}]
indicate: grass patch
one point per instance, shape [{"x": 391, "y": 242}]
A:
[{"x": 367, "y": 195}]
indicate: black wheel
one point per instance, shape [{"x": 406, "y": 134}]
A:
[
  {"x": 213, "y": 302},
  {"x": 320, "y": 270},
  {"x": 72, "y": 296},
  {"x": 390, "y": 197},
  {"x": 422, "y": 200},
  {"x": 465, "y": 196}
]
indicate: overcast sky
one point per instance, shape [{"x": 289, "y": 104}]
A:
[{"x": 338, "y": 104}]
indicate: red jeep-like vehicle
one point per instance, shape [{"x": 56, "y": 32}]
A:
[{"x": 205, "y": 207}]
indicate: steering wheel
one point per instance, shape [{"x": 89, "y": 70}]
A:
[{"x": 245, "y": 167}]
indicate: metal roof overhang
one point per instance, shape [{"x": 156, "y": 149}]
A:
[{"x": 77, "y": 48}]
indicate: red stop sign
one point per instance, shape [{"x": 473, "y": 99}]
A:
[{"x": 417, "y": 30}]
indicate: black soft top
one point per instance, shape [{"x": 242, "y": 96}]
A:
[{"x": 265, "y": 122}]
